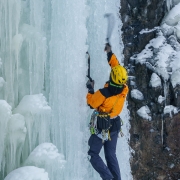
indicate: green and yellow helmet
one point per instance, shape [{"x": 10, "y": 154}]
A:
[{"x": 119, "y": 75}]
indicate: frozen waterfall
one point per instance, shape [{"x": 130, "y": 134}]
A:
[{"x": 43, "y": 112}]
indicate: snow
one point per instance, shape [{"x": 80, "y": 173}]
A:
[
  {"x": 173, "y": 17},
  {"x": 28, "y": 173},
  {"x": 147, "y": 52},
  {"x": 169, "y": 109},
  {"x": 46, "y": 156},
  {"x": 143, "y": 31},
  {"x": 155, "y": 80},
  {"x": 135, "y": 93},
  {"x": 175, "y": 78},
  {"x": 161, "y": 99},
  {"x": 144, "y": 113}
]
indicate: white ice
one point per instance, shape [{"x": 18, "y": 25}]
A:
[
  {"x": 28, "y": 173},
  {"x": 37, "y": 114},
  {"x": 1, "y": 82},
  {"x": 46, "y": 156},
  {"x": 5, "y": 115},
  {"x": 16, "y": 135},
  {"x": 44, "y": 68}
]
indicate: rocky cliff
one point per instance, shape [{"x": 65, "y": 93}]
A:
[{"x": 154, "y": 109}]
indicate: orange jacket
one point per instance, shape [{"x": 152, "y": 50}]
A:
[
  {"x": 102, "y": 101},
  {"x": 112, "y": 60}
]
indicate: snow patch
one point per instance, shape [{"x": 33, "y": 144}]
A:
[
  {"x": 155, "y": 80},
  {"x": 169, "y": 109},
  {"x": 175, "y": 78},
  {"x": 144, "y": 113},
  {"x": 173, "y": 17},
  {"x": 161, "y": 99},
  {"x": 136, "y": 94}
]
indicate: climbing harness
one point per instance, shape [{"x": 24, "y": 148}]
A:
[{"x": 100, "y": 124}]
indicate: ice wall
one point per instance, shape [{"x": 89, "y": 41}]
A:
[{"x": 42, "y": 85}]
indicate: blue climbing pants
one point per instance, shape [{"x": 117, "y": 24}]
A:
[{"x": 111, "y": 171}]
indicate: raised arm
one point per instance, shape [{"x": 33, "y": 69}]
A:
[{"x": 111, "y": 57}]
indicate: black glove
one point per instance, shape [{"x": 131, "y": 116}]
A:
[
  {"x": 107, "y": 48},
  {"x": 90, "y": 86}
]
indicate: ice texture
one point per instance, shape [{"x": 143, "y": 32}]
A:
[
  {"x": 5, "y": 115},
  {"x": 15, "y": 141},
  {"x": 28, "y": 173},
  {"x": 46, "y": 156},
  {"x": 37, "y": 114},
  {"x": 43, "y": 64}
]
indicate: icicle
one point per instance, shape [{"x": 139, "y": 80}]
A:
[
  {"x": 169, "y": 4},
  {"x": 5, "y": 114}
]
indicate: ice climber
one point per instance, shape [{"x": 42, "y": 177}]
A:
[{"x": 111, "y": 97}]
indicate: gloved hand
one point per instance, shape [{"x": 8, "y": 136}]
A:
[
  {"x": 90, "y": 86},
  {"x": 107, "y": 48}
]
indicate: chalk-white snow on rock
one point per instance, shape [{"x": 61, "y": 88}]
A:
[
  {"x": 147, "y": 53},
  {"x": 46, "y": 156},
  {"x": 170, "y": 109},
  {"x": 155, "y": 80},
  {"x": 144, "y": 113},
  {"x": 173, "y": 16},
  {"x": 136, "y": 94},
  {"x": 37, "y": 115},
  {"x": 161, "y": 99},
  {"x": 159, "y": 56},
  {"x": 5, "y": 115},
  {"x": 28, "y": 173},
  {"x": 175, "y": 78},
  {"x": 172, "y": 20},
  {"x": 171, "y": 3},
  {"x": 15, "y": 141}
]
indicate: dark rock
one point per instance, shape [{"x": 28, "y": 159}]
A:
[{"x": 156, "y": 143}]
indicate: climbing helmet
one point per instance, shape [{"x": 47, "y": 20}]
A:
[{"x": 119, "y": 75}]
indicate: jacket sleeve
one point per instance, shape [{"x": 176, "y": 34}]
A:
[
  {"x": 95, "y": 100},
  {"x": 112, "y": 60}
]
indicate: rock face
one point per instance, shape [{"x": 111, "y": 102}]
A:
[
  {"x": 137, "y": 15},
  {"x": 155, "y": 140}
]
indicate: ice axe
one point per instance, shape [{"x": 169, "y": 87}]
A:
[
  {"x": 111, "y": 23},
  {"x": 88, "y": 75}
]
